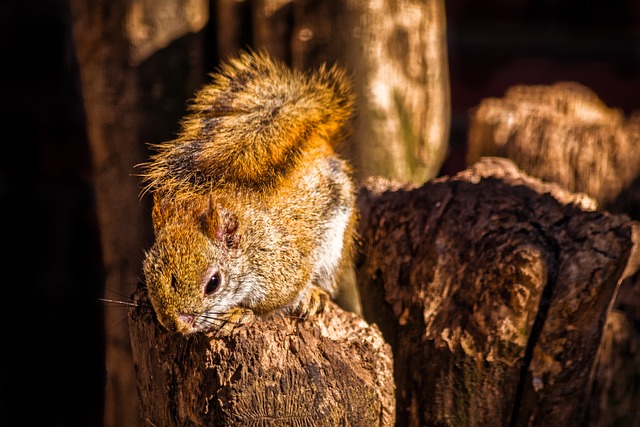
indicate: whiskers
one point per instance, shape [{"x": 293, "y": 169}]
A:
[
  {"x": 121, "y": 300},
  {"x": 222, "y": 323},
  {"x": 117, "y": 302},
  {"x": 112, "y": 304},
  {"x": 214, "y": 322}
]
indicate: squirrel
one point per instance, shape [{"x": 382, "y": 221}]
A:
[{"x": 253, "y": 211}]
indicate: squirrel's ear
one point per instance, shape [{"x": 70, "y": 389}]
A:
[{"x": 221, "y": 224}]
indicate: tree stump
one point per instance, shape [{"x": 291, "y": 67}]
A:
[
  {"x": 565, "y": 134},
  {"x": 330, "y": 369},
  {"x": 493, "y": 289}
]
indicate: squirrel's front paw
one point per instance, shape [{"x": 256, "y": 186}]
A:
[
  {"x": 314, "y": 302},
  {"x": 227, "y": 322}
]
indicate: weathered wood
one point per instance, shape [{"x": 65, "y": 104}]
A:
[
  {"x": 330, "y": 369},
  {"x": 493, "y": 289},
  {"x": 563, "y": 133}
]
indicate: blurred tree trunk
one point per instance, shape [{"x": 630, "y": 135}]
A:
[
  {"x": 397, "y": 54},
  {"x": 125, "y": 96}
]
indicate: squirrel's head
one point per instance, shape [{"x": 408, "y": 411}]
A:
[{"x": 189, "y": 270}]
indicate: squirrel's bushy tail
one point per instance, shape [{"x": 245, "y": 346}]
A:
[{"x": 249, "y": 125}]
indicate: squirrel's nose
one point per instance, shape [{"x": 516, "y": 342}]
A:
[
  {"x": 187, "y": 319},
  {"x": 184, "y": 323}
]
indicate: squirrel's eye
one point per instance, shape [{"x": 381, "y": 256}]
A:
[{"x": 213, "y": 284}]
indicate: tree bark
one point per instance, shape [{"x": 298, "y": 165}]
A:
[
  {"x": 563, "y": 133},
  {"x": 493, "y": 289},
  {"x": 330, "y": 369}
]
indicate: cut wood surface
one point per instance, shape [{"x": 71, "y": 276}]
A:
[
  {"x": 328, "y": 370},
  {"x": 493, "y": 289},
  {"x": 565, "y": 134}
]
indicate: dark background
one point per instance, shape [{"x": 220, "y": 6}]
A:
[{"x": 52, "y": 331}]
